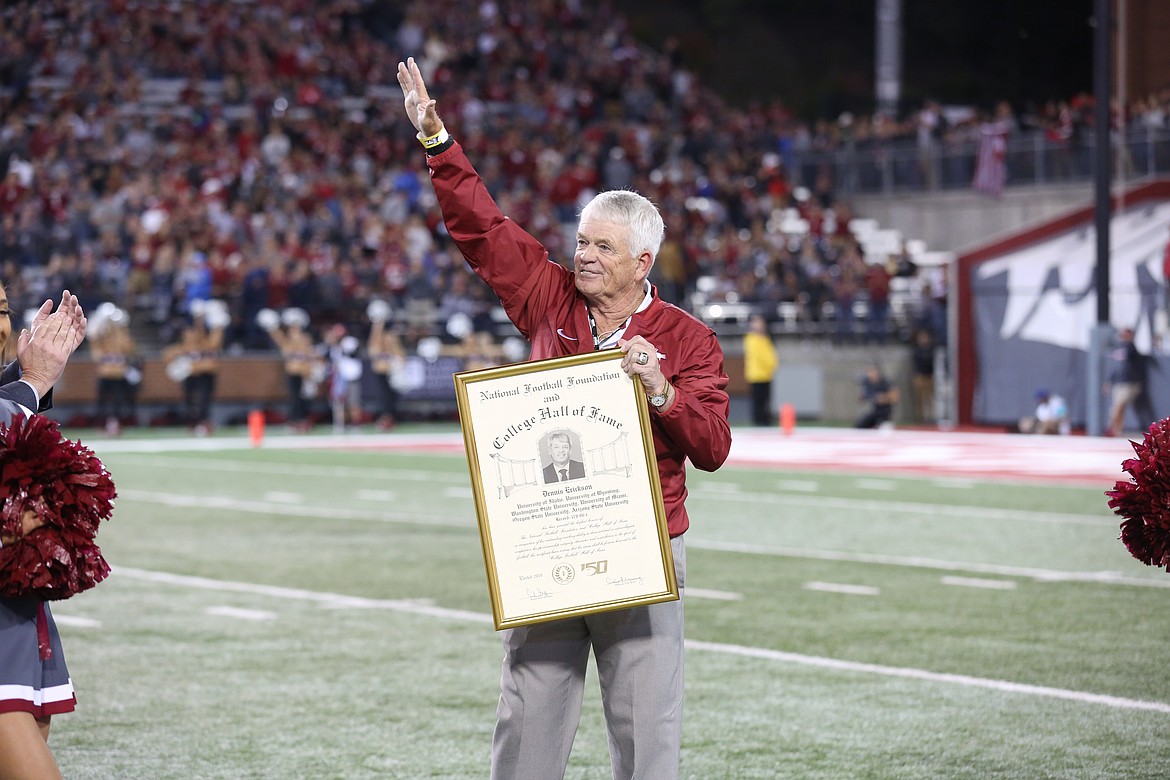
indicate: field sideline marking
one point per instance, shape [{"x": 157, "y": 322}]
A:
[
  {"x": 1044, "y": 575},
  {"x": 712, "y": 491},
  {"x": 241, "y": 614},
  {"x": 295, "y": 469},
  {"x": 987, "y": 457},
  {"x": 973, "y": 582},
  {"x": 922, "y": 674},
  {"x": 77, "y": 622},
  {"x": 936, "y": 510},
  {"x": 376, "y": 495},
  {"x": 799, "y": 485},
  {"x": 839, "y": 587},
  {"x": 716, "y": 595},
  {"x": 413, "y": 607},
  {"x": 870, "y": 483},
  {"x": 184, "y": 500}
]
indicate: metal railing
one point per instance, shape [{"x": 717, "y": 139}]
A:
[{"x": 901, "y": 165}]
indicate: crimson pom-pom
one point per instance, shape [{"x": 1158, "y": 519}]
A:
[
  {"x": 71, "y": 491},
  {"x": 1144, "y": 500}
]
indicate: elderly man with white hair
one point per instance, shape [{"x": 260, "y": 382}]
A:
[{"x": 605, "y": 301}]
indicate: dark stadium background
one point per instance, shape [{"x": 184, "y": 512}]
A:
[{"x": 818, "y": 55}]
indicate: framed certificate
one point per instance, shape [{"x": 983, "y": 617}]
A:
[{"x": 566, "y": 488}]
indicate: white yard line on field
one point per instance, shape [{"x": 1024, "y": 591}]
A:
[
  {"x": 448, "y": 442},
  {"x": 1005, "y": 686},
  {"x": 375, "y": 495},
  {"x": 956, "y": 483},
  {"x": 799, "y": 485},
  {"x": 241, "y": 614},
  {"x": 716, "y": 595},
  {"x": 412, "y": 607},
  {"x": 1044, "y": 575},
  {"x": 190, "y": 501},
  {"x": 382, "y": 515},
  {"x": 839, "y": 587},
  {"x": 290, "y": 469},
  {"x": 275, "y": 591},
  {"x": 76, "y": 622},
  {"x": 710, "y": 491},
  {"x": 976, "y": 582},
  {"x": 937, "y": 511},
  {"x": 1084, "y": 460},
  {"x": 283, "y": 497},
  {"x": 887, "y": 485}
]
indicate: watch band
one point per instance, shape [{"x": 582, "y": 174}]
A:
[{"x": 659, "y": 400}]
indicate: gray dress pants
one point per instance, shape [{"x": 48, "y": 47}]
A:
[{"x": 639, "y": 654}]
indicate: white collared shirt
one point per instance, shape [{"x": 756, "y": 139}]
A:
[{"x": 612, "y": 339}]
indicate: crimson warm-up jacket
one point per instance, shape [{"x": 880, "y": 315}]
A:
[{"x": 541, "y": 299}]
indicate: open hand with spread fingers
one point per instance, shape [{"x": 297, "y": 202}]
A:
[{"x": 420, "y": 106}]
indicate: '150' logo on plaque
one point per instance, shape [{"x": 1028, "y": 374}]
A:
[
  {"x": 562, "y": 574},
  {"x": 595, "y": 567}
]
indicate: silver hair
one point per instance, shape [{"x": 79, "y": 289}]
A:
[{"x": 629, "y": 208}]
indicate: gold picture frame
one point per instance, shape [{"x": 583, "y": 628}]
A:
[{"x": 568, "y": 537}]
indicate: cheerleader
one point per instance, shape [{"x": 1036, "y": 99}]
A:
[
  {"x": 34, "y": 680},
  {"x": 33, "y": 687}
]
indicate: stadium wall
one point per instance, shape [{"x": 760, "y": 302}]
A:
[
  {"x": 1032, "y": 362},
  {"x": 960, "y": 220}
]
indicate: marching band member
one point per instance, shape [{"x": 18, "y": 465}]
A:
[
  {"x": 194, "y": 361},
  {"x": 386, "y": 354},
  {"x": 302, "y": 364},
  {"x": 113, "y": 350}
]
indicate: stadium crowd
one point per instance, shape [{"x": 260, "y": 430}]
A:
[
  {"x": 160, "y": 153},
  {"x": 157, "y": 153}
]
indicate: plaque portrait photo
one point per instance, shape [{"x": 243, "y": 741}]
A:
[
  {"x": 563, "y": 448},
  {"x": 566, "y": 488}
]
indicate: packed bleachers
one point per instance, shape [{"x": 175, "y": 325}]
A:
[{"x": 156, "y": 153}]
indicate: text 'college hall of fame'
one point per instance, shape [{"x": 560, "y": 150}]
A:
[{"x": 566, "y": 488}]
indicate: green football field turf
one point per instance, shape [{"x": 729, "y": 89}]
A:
[{"x": 323, "y": 613}]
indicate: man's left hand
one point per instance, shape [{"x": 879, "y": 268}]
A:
[{"x": 650, "y": 371}]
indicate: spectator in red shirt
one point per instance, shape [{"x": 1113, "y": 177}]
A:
[
  {"x": 568, "y": 185},
  {"x": 12, "y": 193},
  {"x": 877, "y": 285}
]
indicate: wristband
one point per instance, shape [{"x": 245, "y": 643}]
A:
[{"x": 431, "y": 141}]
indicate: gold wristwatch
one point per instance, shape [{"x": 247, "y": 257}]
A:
[{"x": 658, "y": 400}]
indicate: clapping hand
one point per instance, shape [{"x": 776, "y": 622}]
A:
[{"x": 44, "y": 348}]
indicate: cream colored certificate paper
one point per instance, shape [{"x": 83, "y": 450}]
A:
[{"x": 566, "y": 488}]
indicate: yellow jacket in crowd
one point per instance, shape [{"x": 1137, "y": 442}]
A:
[{"x": 759, "y": 357}]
